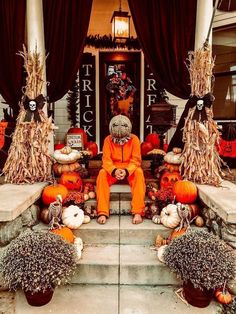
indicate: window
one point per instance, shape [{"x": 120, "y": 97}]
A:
[{"x": 224, "y": 49}]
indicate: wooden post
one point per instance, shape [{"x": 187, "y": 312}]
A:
[
  {"x": 203, "y": 21},
  {"x": 35, "y": 35}
]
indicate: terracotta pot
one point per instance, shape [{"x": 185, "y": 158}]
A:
[
  {"x": 39, "y": 298},
  {"x": 197, "y": 297}
]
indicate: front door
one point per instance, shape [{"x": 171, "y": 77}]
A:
[{"x": 119, "y": 89}]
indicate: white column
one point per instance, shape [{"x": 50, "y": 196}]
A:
[
  {"x": 35, "y": 34},
  {"x": 203, "y": 21}
]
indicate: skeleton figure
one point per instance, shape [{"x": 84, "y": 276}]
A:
[
  {"x": 55, "y": 213},
  {"x": 184, "y": 214}
]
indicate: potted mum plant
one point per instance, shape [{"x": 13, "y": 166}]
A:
[
  {"x": 204, "y": 263},
  {"x": 37, "y": 262}
]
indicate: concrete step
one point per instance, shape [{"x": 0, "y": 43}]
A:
[
  {"x": 139, "y": 265},
  {"x": 120, "y": 200},
  {"x": 115, "y": 299},
  {"x": 124, "y": 264},
  {"x": 120, "y": 229},
  {"x": 98, "y": 265}
]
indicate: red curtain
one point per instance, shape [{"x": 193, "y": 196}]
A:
[
  {"x": 12, "y": 30},
  {"x": 166, "y": 31},
  {"x": 65, "y": 27}
]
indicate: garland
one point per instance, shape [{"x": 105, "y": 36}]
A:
[
  {"x": 107, "y": 42},
  {"x": 73, "y": 102}
]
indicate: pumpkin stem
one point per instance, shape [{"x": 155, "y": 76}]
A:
[{"x": 224, "y": 288}]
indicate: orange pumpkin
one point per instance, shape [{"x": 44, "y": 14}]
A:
[
  {"x": 177, "y": 233},
  {"x": 168, "y": 179},
  {"x": 223, "y": 296},
  {"x": 60, "y": 168},
  {"x": 65, "y": 233},
  {"x": 50, "y": 193},
  {"x": 72, "y": 180},
  {"x": 185, "y": 192},
  {"x": 171, "y": 167}
]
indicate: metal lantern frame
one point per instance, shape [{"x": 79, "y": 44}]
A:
[{"x": 120, "y": 18}]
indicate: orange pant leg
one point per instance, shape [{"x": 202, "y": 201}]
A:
[
  {"x": 104, "y": 181},
  {"x": 138, "y": 190}
]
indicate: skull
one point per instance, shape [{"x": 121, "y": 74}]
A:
[
  {"x": 32, "y": 105},
  {"x": 120, "y": 126},
  {"x": 200, "y": 104}
]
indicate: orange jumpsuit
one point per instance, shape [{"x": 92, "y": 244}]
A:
[{"x": 127, "y": 156}]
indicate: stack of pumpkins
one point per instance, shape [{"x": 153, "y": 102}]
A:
[
  {"x": 66, "y": 160},
  {"x": 171, "y": 173}
]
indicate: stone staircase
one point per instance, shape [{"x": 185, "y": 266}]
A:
[{"x": 119, "y": 271}]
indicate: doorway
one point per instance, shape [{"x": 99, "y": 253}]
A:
[{"x": 119, "y": 86}]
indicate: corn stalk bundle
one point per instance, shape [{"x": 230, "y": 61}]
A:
[
  {"x": 200, "y": 160},
  {"x": 28, "y": 157}
]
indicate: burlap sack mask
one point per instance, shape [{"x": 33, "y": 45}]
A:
[{"x": 120, "y": 129}]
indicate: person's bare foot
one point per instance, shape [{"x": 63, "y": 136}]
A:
[
  {"x": 102, "y": 219},
  {"x": 137, "y": 219}
]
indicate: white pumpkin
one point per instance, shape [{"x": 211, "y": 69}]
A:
[
  {"x": 160, "y": 252},
  {"x": 66, "y": 156},
  {"x": 73, "y": 217},
  {"x": 172, "y": 158},
  {"x": 79, "y": 243},
  {"x": 169, "y": 216}
]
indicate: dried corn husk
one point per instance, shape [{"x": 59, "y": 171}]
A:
[
  {"x": 201, "y": 162},
  {"x": 200, "y": 64},
  {"x": 28, "y": 158}
]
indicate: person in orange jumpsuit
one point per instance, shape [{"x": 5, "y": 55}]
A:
[{"x": 121, "y": 159}]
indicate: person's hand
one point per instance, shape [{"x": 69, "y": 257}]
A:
[{"x": 120, "y": 174}]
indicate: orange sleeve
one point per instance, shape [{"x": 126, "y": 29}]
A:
[
  {"x": 135, "y": 160},
  {"x": 107, "y": 162}
]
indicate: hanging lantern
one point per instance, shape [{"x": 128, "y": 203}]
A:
[{"x": 120, "y": 25}]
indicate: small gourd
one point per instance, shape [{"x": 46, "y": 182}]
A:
[
  {"x": 177, "y": 150},
  {"x": 173, "y": 158},
  {"x": 156, "y": 219},
  {"x": 223, "y": 296},
  {"x": 87, "y": 219},
  {"x": 44, "y": 215},
  {"x": 199, "y": 221},
  {"x": 169, "y": 216},
  {"x": 66, "y": 150},
  {"x": 78, "y": 244},
  {"x": 73, "y": 217},
  {"x": 160, "y": 241},
  {"x": 160, "y": 253}
]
